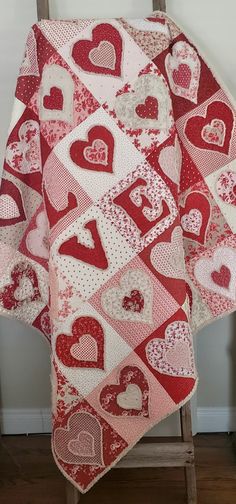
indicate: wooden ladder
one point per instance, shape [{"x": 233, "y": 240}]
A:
[{"x": 149, "y": 452}]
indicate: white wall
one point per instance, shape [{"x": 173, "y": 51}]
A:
[{"x": 24, "y": 356}]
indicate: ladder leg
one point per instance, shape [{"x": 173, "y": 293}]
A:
[
  {"x": 190, "y": 473},
  {"x": 72, "y": 494},
  {"x": 191, "y": 487}
]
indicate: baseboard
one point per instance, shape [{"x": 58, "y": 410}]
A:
[
  {"x": 216, "y": 419},
  {"x": 25, "y": 421},
  {"x": 32, "y": 421}
]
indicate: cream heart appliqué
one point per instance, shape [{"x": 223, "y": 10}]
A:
[
  {"x": 24, "y": 156},
  {"x": 214, "y": 133},
  {"x": 24, "y": 290},
  {"x": 131, "y": 398},
  {"x": 174, "y": 354},
  {"x": 114, "y": 300},
  {"x": 97, "y": 153},
  {"x": 148, "y": 89}
]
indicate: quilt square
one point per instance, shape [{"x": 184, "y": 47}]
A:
[
  {"x": 191, "y": 81},
  {"x": 141, "y": 207},
  {"x": 102, "y": 52},
  {"x": 90, "y": 248},
  {"x": 164, "y": 257},
  {"x": 23, "y": 289},
  {"x": 18, "y": 204},
  {"x": 214, "y": 274},
  {"x": 63, "y": 101},
  {"x": 208, "y": 133},
  {"x": 94, "y": 154},
  {"x": 87, "y": 348},
  {"x": 201, "y": 219},
  {"x": 131, "y": 395},
  {"x": 143, "y": 110},
  {"x": 83, "y": 427},
  {"x": 134, "y": 302},
  {"x": 162, "y": 355},
  {"x": 151, "y": 34},
  {"x": 64, "y": 198},
  {"x": 222, "y": 184}
]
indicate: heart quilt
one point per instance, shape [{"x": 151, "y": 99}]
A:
[{"x": 117, "y": 224}]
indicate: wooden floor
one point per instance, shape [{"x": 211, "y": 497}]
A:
[{"x": 28, "y": 475}]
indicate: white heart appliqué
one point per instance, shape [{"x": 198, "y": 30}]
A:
[{"x": 218, "y": 274}]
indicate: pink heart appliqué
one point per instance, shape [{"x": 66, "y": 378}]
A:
[
  {"x": 86, "y": 349},
  {"x": 104, "y": 55},
  {"x": 80, "y": 441},
  {"x": 192, "y": 222},
  {"x": 174, "y": 354},
  {"x": 83, "y": 446},
  {"x": 37, "y": 240}
]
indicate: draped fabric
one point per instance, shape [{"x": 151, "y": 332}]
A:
[{"x": 117, "y": 224}]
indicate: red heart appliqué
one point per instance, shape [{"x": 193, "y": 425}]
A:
[
  {"x": 21, "y": 273},
  {"x": 102, "y": 54},
  {"x": 68, "y": 346},
  {"x": 197, "y": 201},
  {"x": 130, "y": 397},
  {"x": 134, "y": 303},
  {"x": 217, "y": 113},
  {"x": 222, "y": 277},
  {"x": 54, "y": 101},
  {"x": 182, "y": 76},
  {"x": 148, "y": 109},
  {"x": 16, "y": 213},
  {"x": 97, "y": 153}
]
